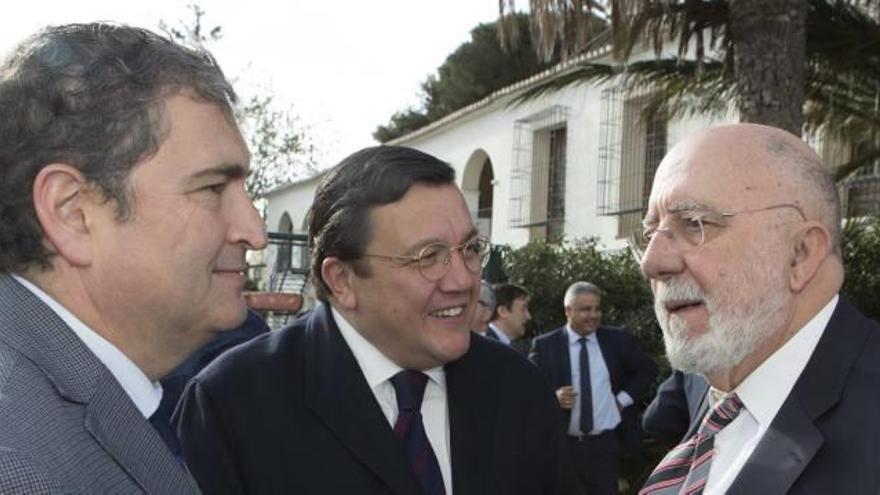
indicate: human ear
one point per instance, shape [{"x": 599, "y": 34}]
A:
[
  {"x": 812, "y": 244},
  {"x": 338, "y": 274},
  {"x": 61, "y": 197}
]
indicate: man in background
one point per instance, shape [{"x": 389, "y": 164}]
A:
[
  {"x": 511, "y": 315},
  {"x": 122, "y": 249},
  {"x": 484, "y": 311},
  {"x": 744, "y": 261},
  {"x": 674, "y": 408},
  {"x": 598, "y": 373}
]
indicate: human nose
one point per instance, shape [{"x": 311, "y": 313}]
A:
[
  {"x": 662, "y": 256},
  {"x": 458, "y": 276},
  {"x": 246, "y": 226}
]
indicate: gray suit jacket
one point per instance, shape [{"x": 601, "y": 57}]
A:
[{"x": 66, "y": 425}]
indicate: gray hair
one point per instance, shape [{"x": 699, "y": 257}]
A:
[
  {"x": 90, "y": 96},
  {"x": 579, "y": 288}
]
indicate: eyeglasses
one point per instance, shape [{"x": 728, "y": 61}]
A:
[
  {"x": 434, "y": 259},
  {"x": 692, "y": 224}
]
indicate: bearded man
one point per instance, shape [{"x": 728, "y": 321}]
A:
[{"x": 744, "y": 261}]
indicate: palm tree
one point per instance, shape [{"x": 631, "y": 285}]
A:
[{"x": 784, "y": 62}]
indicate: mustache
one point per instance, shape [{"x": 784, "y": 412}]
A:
[{"x": 676, "y": 291}]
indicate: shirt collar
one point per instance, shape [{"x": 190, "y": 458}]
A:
[
  {"x": 574, "y": 337},
  {"x": 375, "y": 366},
  {"x": 782, "y": 369},
  {"x": 146, "y": 395},
  {"x": 500, "y": 333}
]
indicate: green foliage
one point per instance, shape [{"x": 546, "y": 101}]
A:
[
  {"x": 281, "y": 149},
  {"x": 476, "y": 69},
  {"x": 401, "y": 123},
  {"x": 546, "y": 269},
  {"x": 860, "y": 243}
]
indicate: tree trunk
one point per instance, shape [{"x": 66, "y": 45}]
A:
[{"x": 769, "y": 60}]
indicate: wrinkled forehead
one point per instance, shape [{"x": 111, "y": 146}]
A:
[{"x": 714, "y": 171}]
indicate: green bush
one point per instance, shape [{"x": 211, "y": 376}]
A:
[
  {"x": 860, "y": 242},
  {"x": 546, "y": 269}
]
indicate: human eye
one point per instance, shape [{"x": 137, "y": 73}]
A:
[
  {"x": 691, "y": 224},
  {"x": 431, "y": 254},
  {"x": 214, "y": 188},
  {"x": 474, "y": 248}
]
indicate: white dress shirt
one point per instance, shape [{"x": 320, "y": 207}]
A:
[
  {"x": 606, "y": 415},
  {"x": 378, "y": 370},
  {"x": 502, "y": 337},
  {"x": 146, "y": 395},
  {"x": 762, "y": 394}
]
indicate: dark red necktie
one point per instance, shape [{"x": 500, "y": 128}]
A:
[{"x": 410, "y": 388}]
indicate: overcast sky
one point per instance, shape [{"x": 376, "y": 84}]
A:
[{"x": 345, "y": 65}]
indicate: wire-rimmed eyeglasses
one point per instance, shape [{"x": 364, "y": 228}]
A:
[
  {"x": 434, "y": 260},
  {"x": 692, "y": 224}
]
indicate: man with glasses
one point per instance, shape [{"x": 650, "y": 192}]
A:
[
  {"x": 744, "y": 259},
  {"x": 382, "y": 389}
]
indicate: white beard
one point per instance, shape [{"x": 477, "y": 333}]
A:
[{"x": 748, "y": 317}]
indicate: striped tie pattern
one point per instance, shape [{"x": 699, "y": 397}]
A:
[
  {"x": 685, "y": 468},
  {"x": 409, "y": 386}
]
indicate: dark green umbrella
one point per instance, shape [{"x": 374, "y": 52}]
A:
[{"x": 493, "y": 271}]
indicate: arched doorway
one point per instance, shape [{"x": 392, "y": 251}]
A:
[{"x": 478, "y": 186}]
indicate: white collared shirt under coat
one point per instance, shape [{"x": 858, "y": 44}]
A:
[
  {"x": 762, "y": 393},
  {"x": 378, "y": 370},
  {"x": 606, "y": 415}
]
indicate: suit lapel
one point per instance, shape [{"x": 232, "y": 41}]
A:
[
  {"x": 561, "y": 357},
  {"x": 471, "y": 432},
  {"x": 787, "y": 447},
  {"x": 795, "y": 435},
  {"x": 338, "y": 394},
  {"x": 79, "y": 377},
  {"x": 118, "y": 426},
  {"x": 609, "y": 354}
]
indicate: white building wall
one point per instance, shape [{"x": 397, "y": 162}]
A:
[
  {"x": 488, "y": 127},
  {"x": 492, "y": 130},
  {"x": 295, "y": 200}
]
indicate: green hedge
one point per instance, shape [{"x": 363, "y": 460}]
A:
[{"x": 546, "y": 269}]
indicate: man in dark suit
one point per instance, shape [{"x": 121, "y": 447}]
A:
[
  {"x": 677, "y": 403},
  {"x": 598, "y": 373},
  {"x": 173, "y": 383},
  {"x": 125, "y": 223},
  {"x": 510, "y": 316},
  {"x": 383, "y": 389},
  {"x": 744, "y": 261}
]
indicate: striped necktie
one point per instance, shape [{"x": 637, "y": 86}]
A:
[
  {"x": 685, "y": 468},
  {"x": 409, "y": 386}
]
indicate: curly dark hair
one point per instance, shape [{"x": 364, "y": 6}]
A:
[
  {"x": 90, "y": 96},
  {"x": 339, "y": 219}
]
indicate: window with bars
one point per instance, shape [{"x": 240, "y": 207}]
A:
[
  {"x": 632, "y": 145},
  {"x": 537, "y": 198}
]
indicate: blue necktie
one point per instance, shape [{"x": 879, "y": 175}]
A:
[
  {"x": 410, "y": 388},
  {"x": 586, "y": 392}
]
